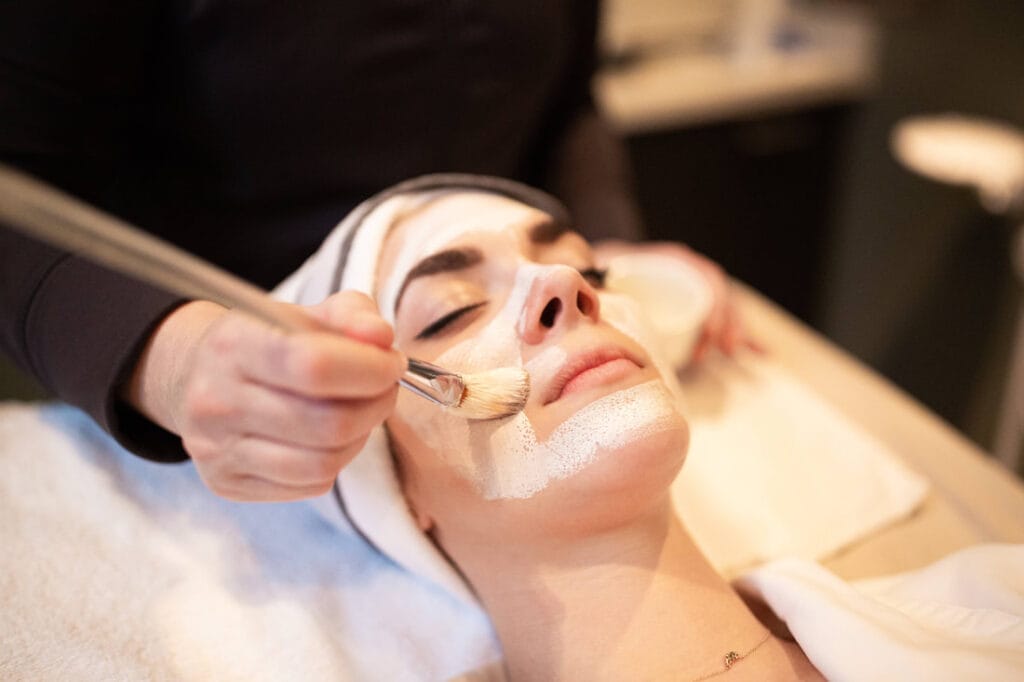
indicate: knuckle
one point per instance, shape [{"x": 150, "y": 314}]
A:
[
  {"x": 199, "y": 449},
  {"x": 307, "y": 365},
  {"x": 339, "y": 427},
  {"x": 352, "y": 299},
  {"x": 326, "y": 467},
  {"x": 388, "y": 399},
  {"x": 223, "y": 486},
  {"x": 204, "y": 401},
  {"x": 346, "y": 454},
  {"x": 322, "y": 487},
  {"x": 224, "y": 338}
]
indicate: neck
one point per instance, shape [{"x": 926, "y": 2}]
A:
[{"x": 637, "y": 602}]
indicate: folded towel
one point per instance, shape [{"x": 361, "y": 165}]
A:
[{"x": 775, "y": 471}]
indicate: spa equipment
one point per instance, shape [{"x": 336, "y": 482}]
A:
[{"x": 45, "y": 213}]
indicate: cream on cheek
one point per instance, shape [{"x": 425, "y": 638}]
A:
[{"x": 504, "y": 458}]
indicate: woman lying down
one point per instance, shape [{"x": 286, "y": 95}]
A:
[{"x": 558, "y": 519}]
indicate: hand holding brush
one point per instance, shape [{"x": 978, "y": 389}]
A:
[{"x": 267, "y": 411}]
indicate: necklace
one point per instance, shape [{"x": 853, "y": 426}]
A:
[{"x": 731, "y": 658}]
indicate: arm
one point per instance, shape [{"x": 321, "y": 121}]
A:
[
  {"x": 67, "y": 74},
  {"x": 264, "y": 415}
]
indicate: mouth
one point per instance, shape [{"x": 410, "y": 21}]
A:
[{"x": 589, "y": 369}]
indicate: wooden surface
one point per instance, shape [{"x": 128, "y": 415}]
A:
[{"x": 973, "y": 498}]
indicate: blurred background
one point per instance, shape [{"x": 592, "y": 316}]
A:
[
  {"x": 761, "y": 130},
  {"x": 761, "y": 134}
]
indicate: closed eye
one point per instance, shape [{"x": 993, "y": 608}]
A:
[
  {"x": 441, "y": 323},
  {"x": 596, "y": 277}
]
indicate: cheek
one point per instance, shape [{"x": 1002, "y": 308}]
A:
[
  {"x": 614, "y": 489},
  {"x": 482, "y": 452},
  {"x": 626, "y": 315}
]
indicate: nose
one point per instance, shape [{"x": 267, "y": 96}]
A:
[{"x": 559, "y": 297}]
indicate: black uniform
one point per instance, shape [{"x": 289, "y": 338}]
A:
[{"x": 244, "y": 131}]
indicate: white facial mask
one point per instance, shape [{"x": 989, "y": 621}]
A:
[{"x": 504, "y": 458}]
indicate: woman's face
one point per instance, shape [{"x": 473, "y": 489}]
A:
[{"x": 475, "y": 281}]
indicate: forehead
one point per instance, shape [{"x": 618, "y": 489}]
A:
[{"x": 442, "y": 221}]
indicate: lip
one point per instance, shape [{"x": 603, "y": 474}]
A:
[{"x": 580, "y": 363}]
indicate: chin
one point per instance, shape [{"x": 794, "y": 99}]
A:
[{"x": 618, "y": 486}]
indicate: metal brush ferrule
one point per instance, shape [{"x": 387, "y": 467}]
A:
[{"x": 433, "y": 383}]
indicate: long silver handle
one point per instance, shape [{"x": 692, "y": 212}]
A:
[{"x": 46, "y": 213}]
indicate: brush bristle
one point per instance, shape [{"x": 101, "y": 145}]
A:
[{"x": 493, "y": 394}]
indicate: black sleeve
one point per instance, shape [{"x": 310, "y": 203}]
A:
[
  {"x": 588, "y": 166},
  {"x": 68, "y": 74}
]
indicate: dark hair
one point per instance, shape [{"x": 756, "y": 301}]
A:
[{"x": 510, "y": 188}]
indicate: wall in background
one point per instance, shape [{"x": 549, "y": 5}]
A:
[{"x": 918, "y": 280}]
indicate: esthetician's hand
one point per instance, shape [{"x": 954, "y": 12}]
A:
[
  {"x": 723, "y": 330},
  {"x": 266, "y": 414}
]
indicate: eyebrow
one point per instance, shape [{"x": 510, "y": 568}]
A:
[
  {"x": 450, "y": 260},
  {"x": 548, "y": 231}
]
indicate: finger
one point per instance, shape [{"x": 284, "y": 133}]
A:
[
  {"x": 327, "y": 366},
  {"x": 732, "y": 331},
  {"x": 291, "y": 466},
  {"x": 700, "y": 349},
  {"x": 315, "y": 364},
  {"x": 714, "y": 323},
  {"x": 253, "y": 468},
  {"x": 311, "y": 422},
  {"x": 355, "y": 315},
  {"x": 251, "y": 488}
]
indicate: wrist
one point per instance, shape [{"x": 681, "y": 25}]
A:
[{"x": 157, "y": 381}]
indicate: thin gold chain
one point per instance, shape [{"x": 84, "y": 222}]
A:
[{"x": 731, "y": 658}]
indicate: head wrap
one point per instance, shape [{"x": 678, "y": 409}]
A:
[{"x": 367, "y": 495}]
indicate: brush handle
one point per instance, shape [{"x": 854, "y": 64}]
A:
[
  {"x": 433, "y": 383},
  {"x": 46, "y": 213}
]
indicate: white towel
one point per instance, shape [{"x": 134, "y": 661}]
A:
[
  {"x": 962, "y": 618},
  {"x": 775, "y": 471},
  {"x": 115, "y": 568}
]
